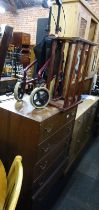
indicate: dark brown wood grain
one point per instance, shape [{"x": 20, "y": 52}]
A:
[{"x": 25, "y": 131}]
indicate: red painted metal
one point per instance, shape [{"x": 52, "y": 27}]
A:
[
  {"x": 70, "y": 99},
  {"x": 59, "y": 70},
  {"x": 51, "y": 65}
]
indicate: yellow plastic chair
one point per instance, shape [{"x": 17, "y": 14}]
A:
[
  {"x": 14, "y": 183},
  {"x": 3, "y": 185}
]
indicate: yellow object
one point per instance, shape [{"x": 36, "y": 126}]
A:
[
  {"x": 7, "y": 69},
  {"x": 3, "y": 185},
  {"x": 14, "y": 182}
]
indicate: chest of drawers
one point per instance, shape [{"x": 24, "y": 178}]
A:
[
  {"x": 22, "y": 43},
  {"x": 42, "y": 137},
  {"x": 83, "y": 128},
  {"x": 20, "y": 39}
]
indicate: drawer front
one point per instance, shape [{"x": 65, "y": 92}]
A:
[
  {"x": 25, "y": 39},
  {"x": 25, "y": 59},
  {"x": 51, "y": 125},
  {"x": 82, "y": 131},
  {"x": 46, "y": 162},
  {"x": 62, "y": 159},
  {"x": 78, "y": 127},
  {"x": 48, "y": 145},
  {"x": 89, "y": 118}
]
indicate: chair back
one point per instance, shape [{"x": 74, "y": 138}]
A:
[
  {"x": 14, "y": 183},
  {"x": 3, "y": 185}
]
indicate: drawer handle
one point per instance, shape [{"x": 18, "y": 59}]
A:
[
  {"x": 67, "y": 116},
  {"x": 69, "y": 129},
  {"x": 88, "y": 113},
  {"x": 40, "y": 183},
  {"x": 43, "y": 165},
  {"x": 48, "y": 130},
  {"x": 46, "y": 149},
  {"x": 73, "y": 113}
]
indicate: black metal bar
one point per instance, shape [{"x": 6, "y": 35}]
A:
[
  {"x": 58, "y": 28},
  {"x": 4, "y": 46}
]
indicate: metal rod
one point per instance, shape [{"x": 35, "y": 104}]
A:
[{"x": 51, "y": 66}]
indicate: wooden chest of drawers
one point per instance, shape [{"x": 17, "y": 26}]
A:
[
  {"x": 20, "y": 39},
  {"x": 83, "y": 128},
  {"x": 42, "y": 137}
]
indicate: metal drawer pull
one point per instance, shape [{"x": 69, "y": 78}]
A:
[
  {"x": 48, "y": 130},
  {"x": 40, "y": 183},
  {"x": 43, "y": 165},
  {"x": 88, "y": 129},
  {"x": 73, "y": 113},
  {"x": 69, "y": 128},
  {"x": 67, "y": 116},
  {"x": 46, "y": 149}
]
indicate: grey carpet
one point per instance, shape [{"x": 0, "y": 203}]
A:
[{"x": 82, "y": 190}]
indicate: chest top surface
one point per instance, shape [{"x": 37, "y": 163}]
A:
[
  {"x": 85, "y": 105},
  {"x": 25, "y": 109}
]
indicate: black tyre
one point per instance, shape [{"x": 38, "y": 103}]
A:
[{"x": 39, "y": 97}]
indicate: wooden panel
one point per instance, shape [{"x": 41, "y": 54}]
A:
[
  {"x": 25, "y": 39},
  {"x": 18, "y": 135},
  {"x": 71, "y": 20},
  {"x": 20, "y": 39},
  {"x": 82, "y": 28},
  {"x": 46, "y": 162},
  {"x": 40, "y": 182},
  {"x": 25, "y": 60},
  {"x": 58, "y": 136},
  {"x": 92, "y": 31},
  {"x": 82, "y": 131},
  {"x": 44, "y": 183},
  {"x": 49, "y": 126},
  {"x": 77, "y": 137},
  {"x": 22, "y": 131}
]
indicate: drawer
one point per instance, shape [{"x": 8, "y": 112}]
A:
[
  {"x": 24, "y": 58},
  {"x": 60, "y": 163},
  {"x": 48, "y": 145},
  {"x": 25, "y": 39},
  {"x": 46, "y": 162},
  {"x": 89, "y": 119},
  {"x": 51, "y": 125},
  {"x": 78, "y": 127}
]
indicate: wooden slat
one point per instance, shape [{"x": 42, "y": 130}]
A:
[
  {"x": 82, "y": 57},
  {"x": 71, "y": 76}
]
